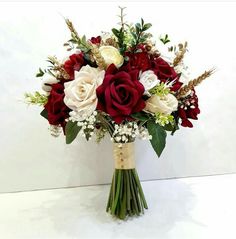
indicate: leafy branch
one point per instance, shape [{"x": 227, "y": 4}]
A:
[
  {"x": 138, "y": 33},
  {"x": 121, "y": 33},
  {"x": 36, "y": 98}
]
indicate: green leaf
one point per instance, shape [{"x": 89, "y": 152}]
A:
[
  {"x": 138, "y": 26},
  {"x": 84, "y": 39},
  {"x": 44, "y": 114},
  {"x": 71, "y": 130},
  {"x": 147, "y": 26},
  {"x": 158, "y": 134},
  {"x": 165, "y": 39},
  {"x": 142, "y": 21},
  {"x": 115, "y": 32},
  {"x": 169, "y": 127},
  {"x": 140, "y": 116},
  {"x": 40, "y": 73}
]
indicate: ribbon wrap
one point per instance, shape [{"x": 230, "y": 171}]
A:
[{"x": 124, "y": 155}]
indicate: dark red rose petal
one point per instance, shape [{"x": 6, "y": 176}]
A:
[
  {"x": 57, "y": 111},
  {"x": 120, "y": 94}
]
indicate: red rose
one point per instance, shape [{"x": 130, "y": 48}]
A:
[
  {"x": 75, "y": 62},
  {"x": 189, "y": 109},
  {"x": 165, "y": 72},
  {"x": 137, "y": 61},
  {"x": 120, "y": 94},
  {"x": 96, "y": 40},
  {"x": 56, "y": 109}
]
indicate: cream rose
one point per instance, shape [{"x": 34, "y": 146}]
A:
[
  {"x": 166, "y": 104},
  {"x": 111, "y": 55},
  {"x": 80, "y": 94},
  {"x": 148, "y": 80}
]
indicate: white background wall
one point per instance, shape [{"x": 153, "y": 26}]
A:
[{"x": 31, "y": 159}]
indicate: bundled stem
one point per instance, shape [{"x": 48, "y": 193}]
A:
[
  {"x": 185, "y": 89},
  {"x": 126, "y": 196}
]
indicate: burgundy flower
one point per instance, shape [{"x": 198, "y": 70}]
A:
[
  {"x": 96, "y": 40},
  {"x": 75, "y": 62},
  {"x": 56, "y": 109},
  {"x": 137, "y": 61},
  {"x": 165, "y": 73},
  {"x": 120, "y": 94},
  {"x": 189, "y": 109}
]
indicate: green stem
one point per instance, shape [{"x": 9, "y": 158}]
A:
[
  {"x": 140, "y": 188},
  {"x": 126, "y": 197},
  {"x": 116, "y": 193}
]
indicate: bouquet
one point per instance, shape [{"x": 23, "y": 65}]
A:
[{"x": 125, "y": 84}]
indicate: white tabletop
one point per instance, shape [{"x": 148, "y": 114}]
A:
[{"x": 188, "y": 208}]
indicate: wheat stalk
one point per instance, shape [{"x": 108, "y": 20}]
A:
[
  {"x": 180, "y": 54},
  {"x": 71, "y": 28},
  {"x": 98, "y": 57},
  {"x": 94, "y": 49},
  {"x": 185, "y": 89}
]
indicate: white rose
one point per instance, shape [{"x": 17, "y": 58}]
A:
[
  {"x": 148, "y": 80},
  {"x": 47, "y": 84},
  {"x": 166, "y": 104},
  {"x": 80, "y": 94},
  {"x": 111, "y": 55}
]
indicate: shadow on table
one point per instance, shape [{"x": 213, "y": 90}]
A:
[{"x": 80, "y": 212}]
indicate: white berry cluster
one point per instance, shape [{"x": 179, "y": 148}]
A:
[
  {"x": 125, "y": 133},
  {"x": 144, "y": 134},
  {"x": 55, "y": 130},
  {"x": 87, "y": 126}
]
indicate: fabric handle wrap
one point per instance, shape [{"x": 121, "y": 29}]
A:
[{"x": 124, "y": 155}]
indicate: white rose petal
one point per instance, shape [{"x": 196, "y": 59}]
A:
[
  {"x": 80, "y": 94},
  {"x": 111, "y": 55},
  {"x": 46, "y": 84},
  {"x": 148, "y": 80},
  {"x": 166, "y": 104}
]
